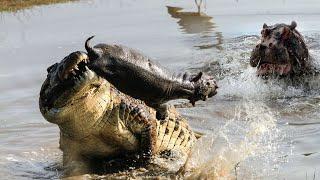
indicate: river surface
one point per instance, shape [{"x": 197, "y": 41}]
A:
[{"x": 254, "y": 129}]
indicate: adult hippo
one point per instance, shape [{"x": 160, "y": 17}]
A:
[{"x": 281, "y": 51}]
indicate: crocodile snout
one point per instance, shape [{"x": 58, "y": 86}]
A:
[{"x": 73, "y": 64}]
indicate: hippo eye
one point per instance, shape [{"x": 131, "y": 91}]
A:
[{"x": 208, "y": 83}]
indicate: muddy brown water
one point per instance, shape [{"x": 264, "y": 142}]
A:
[{"x": 254, "y": 129}]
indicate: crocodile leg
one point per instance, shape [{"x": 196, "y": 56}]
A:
[{"x": 137, "y": 120}]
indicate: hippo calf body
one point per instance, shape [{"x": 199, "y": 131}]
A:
[{"x": 136, "y": 75}]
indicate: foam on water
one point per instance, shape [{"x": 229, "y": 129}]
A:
[
  {"x": 37, "y": 164},
  {"x": 242, "y": 148}
]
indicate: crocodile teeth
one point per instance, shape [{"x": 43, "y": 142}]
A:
[
  {"x": 91, "y": 74},
  {"x": 72, "y": 71},
  {"x": 77, "y": 81},
  {"x": 81, "y": 78}
]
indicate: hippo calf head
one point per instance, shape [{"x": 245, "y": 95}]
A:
[
  {"x": 281, "y": 51},
  {"x": 205, "y": 87}
]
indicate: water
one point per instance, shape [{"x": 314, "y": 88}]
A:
[{"x": 254, "y": 130}]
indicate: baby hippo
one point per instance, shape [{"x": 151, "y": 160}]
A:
[{"x": 136, "y": 75}]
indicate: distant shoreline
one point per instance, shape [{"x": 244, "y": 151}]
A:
[{"x": 16, "y": 5}]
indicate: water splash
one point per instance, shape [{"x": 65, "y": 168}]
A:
[
  {"x": 238, "y": 80},
  {"x": 245, "y": 147},
  {"x": 37, "y": 164}
]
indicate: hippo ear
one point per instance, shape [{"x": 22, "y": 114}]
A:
[
  {"x": 293, "y": 25},
  {"x": 285, "y": 33},
  {"x": 197, "y": 77},
  {"x": 265, "y": 26}
]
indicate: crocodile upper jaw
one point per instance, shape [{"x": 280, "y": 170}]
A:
[{"x": 69, "y": 82}]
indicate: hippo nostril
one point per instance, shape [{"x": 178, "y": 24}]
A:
[
  {"x": 270, "y": 44},
  {"x": 262, "y": 47}
]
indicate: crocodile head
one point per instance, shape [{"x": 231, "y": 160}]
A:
[
  {"x": 73, "y": 93},
  {"x": 281, "y": 51}
]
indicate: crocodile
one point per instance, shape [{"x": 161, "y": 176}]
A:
[
  {"x": 98, "y": 122},
  {"x": 134, "y": 74},
  {"x": 281, "y": 51}
]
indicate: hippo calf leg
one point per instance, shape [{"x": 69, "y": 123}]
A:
[{"x": 161, "y": 111}]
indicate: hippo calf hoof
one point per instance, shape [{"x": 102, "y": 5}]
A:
[
  {"x": 161, "y": 115},
  {"x": 205, "y": 87}
]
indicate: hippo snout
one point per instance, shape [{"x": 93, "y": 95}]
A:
[{"x": 256, "y": 55}]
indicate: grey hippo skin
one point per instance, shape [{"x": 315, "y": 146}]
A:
[
  {"x": 281, "y": 52},
  {"x": 98, "y": 123},
  {"x": 136, "y": 75}
]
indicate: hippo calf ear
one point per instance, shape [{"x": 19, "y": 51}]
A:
[
  {"x": 265, "y": 26},
  {"x": 197, "y": 77},
  {"x": 293, "y": 25},
  {"x": 185, "y": 76},
  {"x": 51, "y": 67}
]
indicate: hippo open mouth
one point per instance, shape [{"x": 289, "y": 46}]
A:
[
  {"x": 267, "y": 68},
  {"x": 281, "y": 51}
]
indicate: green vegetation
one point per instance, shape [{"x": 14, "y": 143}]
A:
[{"x": 16, "y": 5}]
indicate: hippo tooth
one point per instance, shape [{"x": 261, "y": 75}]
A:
[
  {"x": 72, "y": 71},
  {"x": 281, "y": 70},
  {"x": 87, "y": 68},
  {"x": 76, "y": 67}
]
